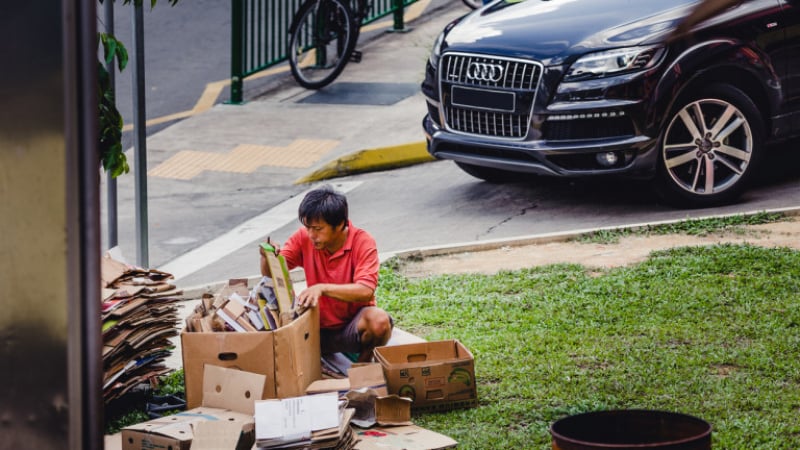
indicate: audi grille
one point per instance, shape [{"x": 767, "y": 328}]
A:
[{"x": 488, "y": 96}]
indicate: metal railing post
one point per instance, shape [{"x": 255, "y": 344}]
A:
[
  {"x": 140, "y": 137},
  {"x": 259, "y": 31},
  {"x": 237, "y": 50},
  {"x": 111, "y": 182},
  {"x": 397, "y": 7}
]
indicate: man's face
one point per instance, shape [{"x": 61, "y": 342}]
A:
[{"x": 324, "y": 236}]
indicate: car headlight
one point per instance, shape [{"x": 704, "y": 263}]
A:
[
  {"x": 436, "y": 52},
  {"x": 614, "y": 62}
]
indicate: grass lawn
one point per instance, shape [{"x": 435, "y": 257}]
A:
[{"x": 709, "y": 331}]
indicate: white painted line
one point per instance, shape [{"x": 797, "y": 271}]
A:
[{"x": 252, "y": 230}]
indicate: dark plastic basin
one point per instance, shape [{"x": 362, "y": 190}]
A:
[{"x": 631, "y": 429}]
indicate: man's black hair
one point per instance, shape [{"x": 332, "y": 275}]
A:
[{"x": 326, "y": 204}]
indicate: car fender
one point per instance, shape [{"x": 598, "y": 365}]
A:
[{"x": 732, "y": 62}]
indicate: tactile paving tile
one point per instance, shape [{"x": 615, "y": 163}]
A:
[{"x": 245, "y": 158}]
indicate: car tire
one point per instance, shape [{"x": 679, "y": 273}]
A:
[
  {"x": 703, "y": 162},
  {"x": 490, "y": 174}
]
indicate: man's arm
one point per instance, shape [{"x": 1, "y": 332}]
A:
[{"x": 350, "y": 292}]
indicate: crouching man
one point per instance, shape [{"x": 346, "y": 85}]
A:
[{"x": 341, "y": 268}]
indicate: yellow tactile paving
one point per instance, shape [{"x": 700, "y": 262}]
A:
[{"x": 245, "y": 158}]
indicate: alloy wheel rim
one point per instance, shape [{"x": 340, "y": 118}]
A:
[{"x": 707, "y": 147}]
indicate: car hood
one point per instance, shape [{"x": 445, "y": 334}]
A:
[{"x": 556, "y": 31}]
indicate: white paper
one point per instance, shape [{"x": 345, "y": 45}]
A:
[
  {"x": 293, "y": 419},
  {"x": 325, "y": 409},
  {"x": 296, "y": 419},
  {"x": 268, "y": 423},
  {"x": 255, "y": 319}
]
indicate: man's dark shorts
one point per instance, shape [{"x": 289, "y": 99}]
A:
[{"x": 345, "y": 339}]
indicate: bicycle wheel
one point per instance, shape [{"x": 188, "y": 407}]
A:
[{"x": 321, "y": 39}]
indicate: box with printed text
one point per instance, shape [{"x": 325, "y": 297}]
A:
[{"x": 437, "y": 375}]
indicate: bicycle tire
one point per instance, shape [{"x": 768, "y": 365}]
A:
[{"x": 321, "y": 40}]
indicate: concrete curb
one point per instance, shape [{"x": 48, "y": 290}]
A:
[
  {"x": 371, "y": 160},
  {"x": 547, "y": 238},
  {"x": 536, "y": 239}
]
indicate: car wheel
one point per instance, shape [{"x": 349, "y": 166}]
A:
[
  {"x": 490, "y": 174},
  {"x": 710, "y": 148}
]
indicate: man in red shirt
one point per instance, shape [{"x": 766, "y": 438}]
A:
[{"x": 341, "y": 268}]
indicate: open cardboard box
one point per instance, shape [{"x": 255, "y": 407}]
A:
[
  {"x": 437, "y": 375},
  {"x": 365, "y": 388},
  {"x": 288, "y": 357},
  {"x": 225, "y": 419}
]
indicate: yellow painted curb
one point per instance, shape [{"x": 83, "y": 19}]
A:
[{"x": 371, "y": 160}]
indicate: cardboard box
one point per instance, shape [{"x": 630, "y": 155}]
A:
[
  {"x": 226, "y": 417},
  {"x": 436, "y": 375},
  {"x": 365, "y": 389},
  {"x": 360, "y": 375},
  {"x": 288, "y": 357}
]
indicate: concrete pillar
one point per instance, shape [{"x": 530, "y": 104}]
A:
[{"x": 50, "y": 361}]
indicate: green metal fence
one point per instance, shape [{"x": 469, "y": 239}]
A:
[{"x": 260, "y": 31}]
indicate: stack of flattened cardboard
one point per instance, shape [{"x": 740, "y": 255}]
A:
[
  {"x": 306, "y": 422},
  {"x": 139, "y": 316}
]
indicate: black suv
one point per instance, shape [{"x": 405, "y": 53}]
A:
[{"x": 607, "y": 87}]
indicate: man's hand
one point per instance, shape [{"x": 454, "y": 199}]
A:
[{"x": 309, "y": 298}]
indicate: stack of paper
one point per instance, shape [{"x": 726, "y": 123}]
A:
[
  {"x": 139, "y": 316},
  {"x": 308, "y": 422}
]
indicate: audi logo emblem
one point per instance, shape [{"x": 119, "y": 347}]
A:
[{"x": 479, "y": 71}]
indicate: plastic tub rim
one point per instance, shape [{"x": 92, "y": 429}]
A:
[{"x": 705, "y": 434}]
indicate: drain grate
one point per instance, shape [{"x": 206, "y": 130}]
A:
[{"x": 349, "y": 93}]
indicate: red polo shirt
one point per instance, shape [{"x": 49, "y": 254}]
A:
[{"x": 356, "y": 262}]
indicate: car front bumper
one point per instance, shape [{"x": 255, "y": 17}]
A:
[{"x": 637, "y": 154}]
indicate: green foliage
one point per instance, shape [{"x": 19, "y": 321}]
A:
[
  {"x": 708, "y": 331},
  {"x": 131, "y": 418},
  {"x": 172, "y": 384},
  {"x": 133, "y": 412},
  {"x": 693, "y": 227},
  {"x": 110, "y": 120},
  {"x": 112, "y": 157}
]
